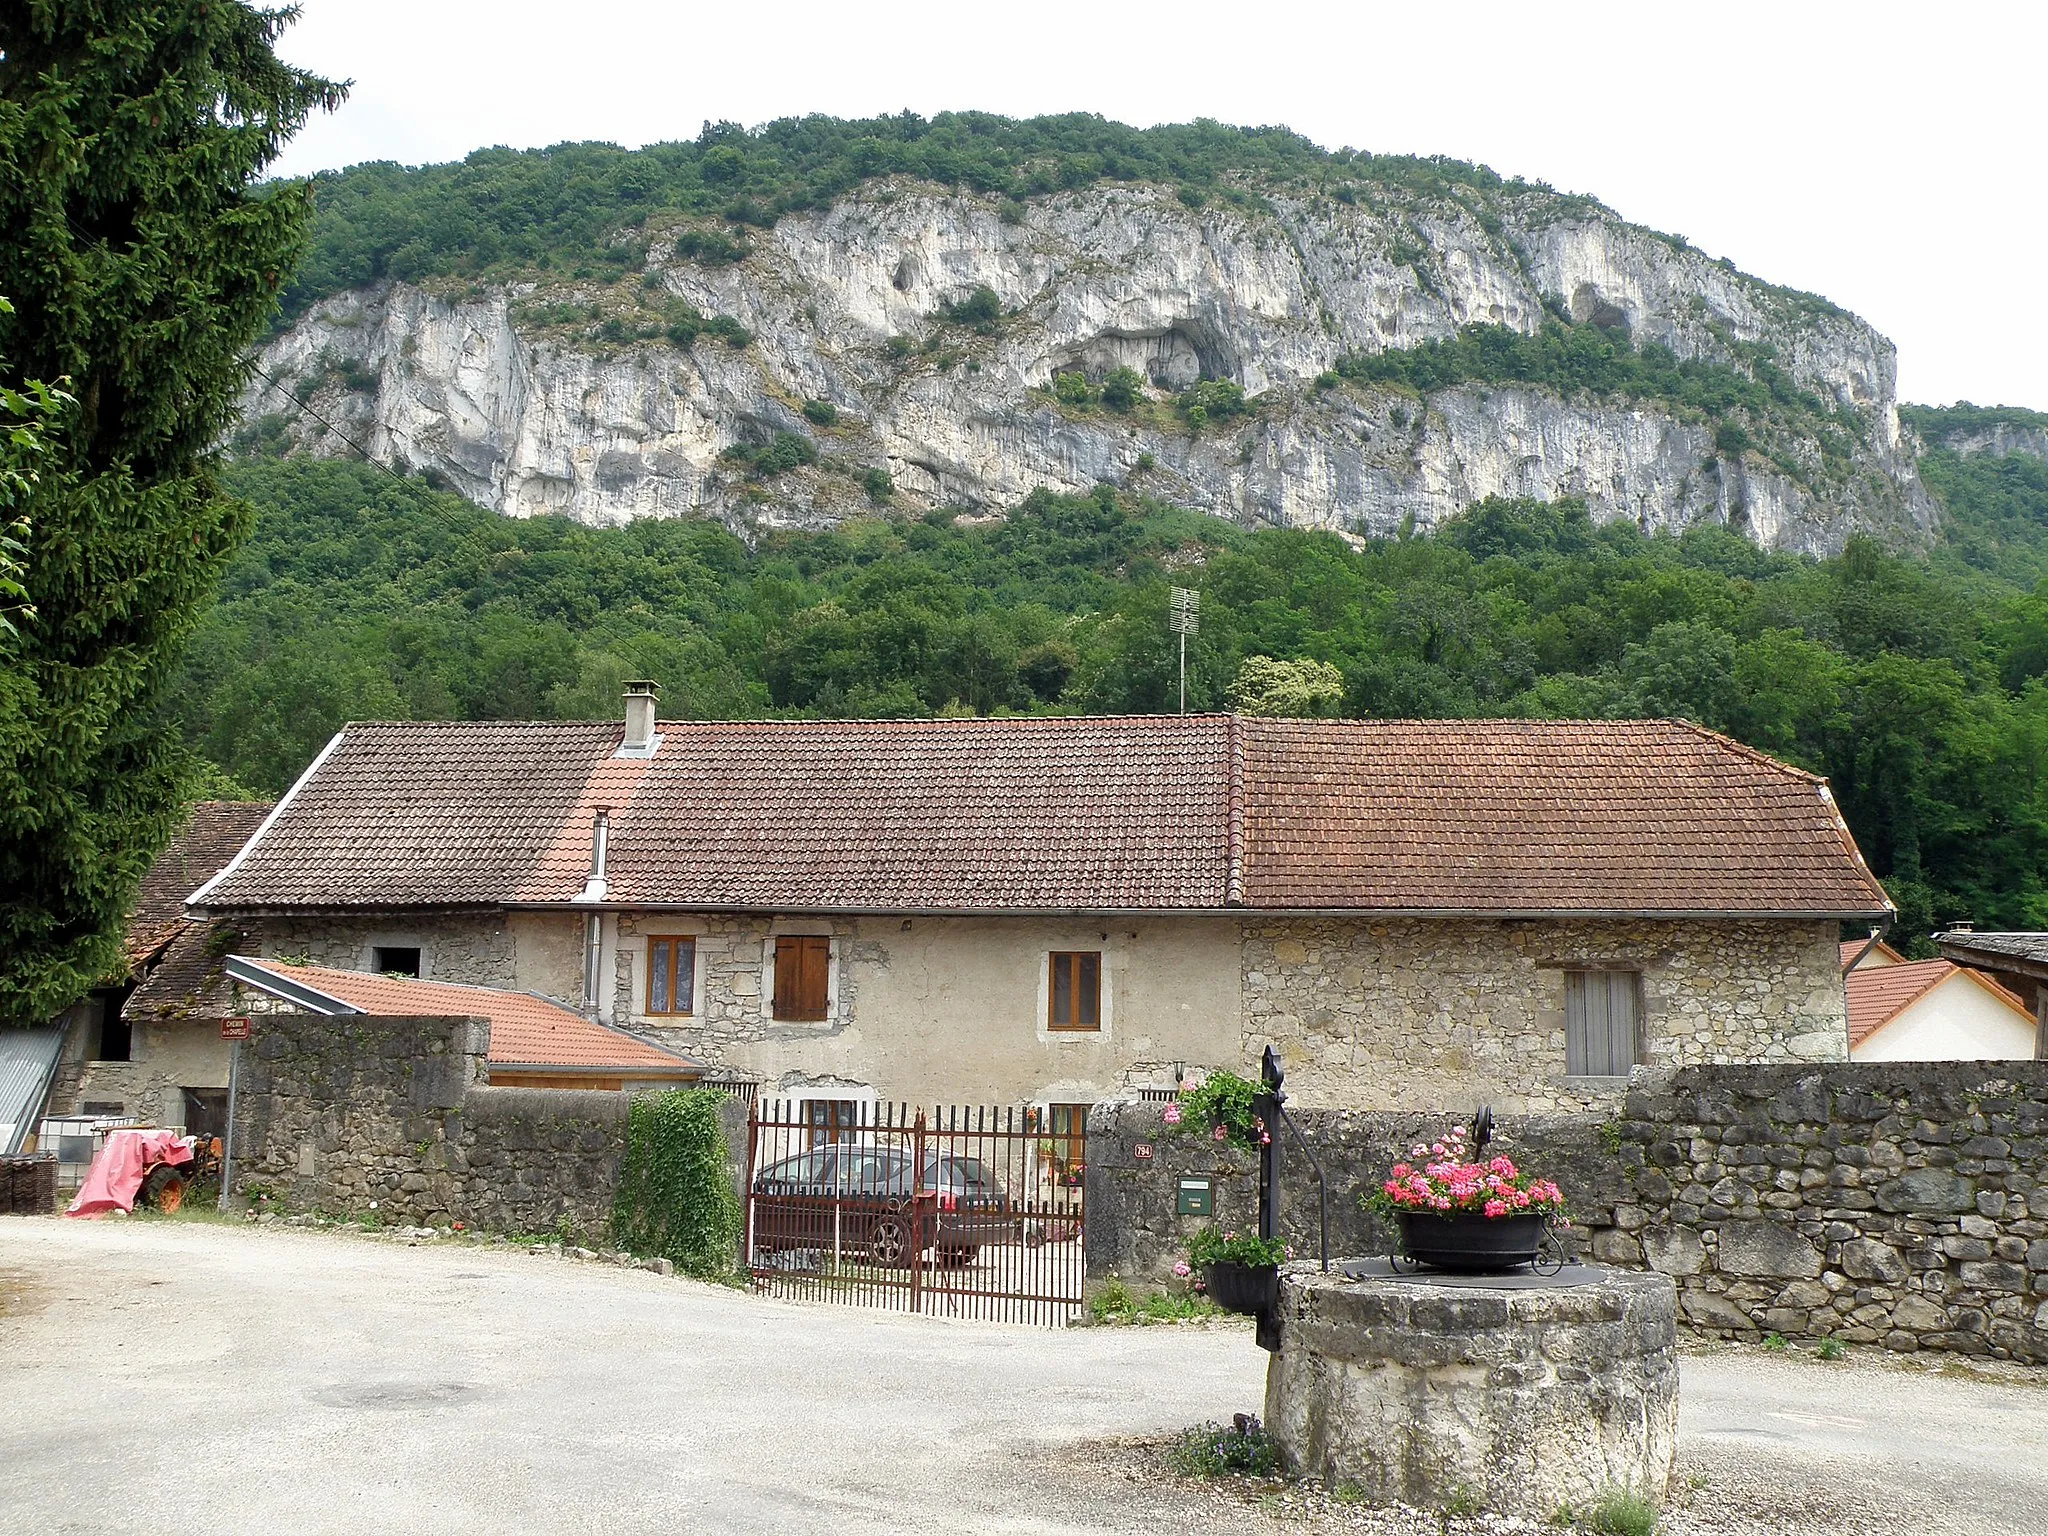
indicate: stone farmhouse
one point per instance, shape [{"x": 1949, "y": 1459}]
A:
[{"x": 1057, "y": 911}]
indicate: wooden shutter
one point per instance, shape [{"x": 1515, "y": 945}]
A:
[
  {"x": 1601, "y": 1028},
  {"x": 802, "y": 969}
]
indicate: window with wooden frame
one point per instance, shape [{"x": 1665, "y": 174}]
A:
[
  {"x": 1076, "y": 991},
  {"x": 1603, "y": 1027},
  {"x": 671, "y": 974},
  {"x": 832, "y": 1120},
  {"x": 803, "y": 968}
]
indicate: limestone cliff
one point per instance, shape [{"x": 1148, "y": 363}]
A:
[{"x": 564, "y": 395}]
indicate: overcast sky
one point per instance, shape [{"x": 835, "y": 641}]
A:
[{"x": 1889, "y": 157}]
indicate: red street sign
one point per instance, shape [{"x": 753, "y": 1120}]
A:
[{"x": 234, "y": 1029}]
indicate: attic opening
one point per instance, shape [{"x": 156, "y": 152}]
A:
[{"x": 396, "y": 960}]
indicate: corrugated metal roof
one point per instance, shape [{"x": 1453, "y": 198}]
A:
[{"x": 28, "y": 1060}]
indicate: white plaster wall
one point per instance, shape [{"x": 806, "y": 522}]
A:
[{"x": 1957, "y": 1021}]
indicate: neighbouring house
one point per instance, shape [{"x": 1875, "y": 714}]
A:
[
  {"x": 1929, "y": 1010},
  {"x": 535, "y": 1042},
  {"x": 2016, "y": 961},
  {"x": 1058, "y": 910},
  {"x": 147, "y": 1045}
]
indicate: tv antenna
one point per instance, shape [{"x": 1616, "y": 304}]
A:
[{"x": 1183, "y": 618}]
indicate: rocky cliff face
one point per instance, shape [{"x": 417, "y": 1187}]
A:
[{"x": 563, "y": 396}]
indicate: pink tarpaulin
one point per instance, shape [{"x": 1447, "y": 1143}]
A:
[{"x": 116, "y": 1175}]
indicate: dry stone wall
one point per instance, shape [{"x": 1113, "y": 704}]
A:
[
  {"x": 388, "y": 1118},
  {"x": 1901, "y": 1204}
]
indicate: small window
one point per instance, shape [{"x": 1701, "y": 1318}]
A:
[
  {"x": 832, "y": 1119},
  {"x": 802, "y": 968},
  {"x": 116, "y": 1042},
  {"x": 1076, "y": 990},
  {"x": 396, "y": 960},
  {"x": 671, "y": 975},
  {"x": 1602, "y": 1022}
]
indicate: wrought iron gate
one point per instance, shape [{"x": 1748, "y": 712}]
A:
[{"x": 959, "y": 1212}]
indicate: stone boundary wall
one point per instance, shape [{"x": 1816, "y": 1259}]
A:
[
  {"x": 1902, "y": 1204},
  {"x": 334, "y": 1114}
]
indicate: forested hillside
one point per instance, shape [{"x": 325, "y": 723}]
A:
[{"x": 1920, "y": 688}]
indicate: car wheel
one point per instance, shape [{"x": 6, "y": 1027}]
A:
[{"x": 889, "y": 1242}]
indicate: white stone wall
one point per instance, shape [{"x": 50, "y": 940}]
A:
[{"x": 1404, "y": 1014}]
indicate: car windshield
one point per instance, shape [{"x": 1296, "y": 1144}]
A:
[{"x": 967, "y": 1172}]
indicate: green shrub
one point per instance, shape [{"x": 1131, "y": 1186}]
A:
[
  {"x": 1216, "y": 399},
  {"x": 1072, "y": 389},
  {"x": 710, "y": 248},
  {"x": 1241, "y": 1448},
  {"x": 980, "y": 311},
  {"x": 902, "y": 346},
  {"x": 1124, "y": 388},
  {"x": 789, "y": 450},
  {"x": 675, "y": 1197},
  {"x": 1731, "y": 439},
  {"x": 820, "y": 413},
  {"x": 878, "y": 483},
  {"x": 1116, "y": 1304},
  {"x": 1622, "y": 1513},
  {"x": 1833, "y": 1349},
  {"x": 1222, "y": 1101}
]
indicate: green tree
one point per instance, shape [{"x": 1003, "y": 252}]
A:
[
  {"x": 1295, "y": 689},
  {"x": 143, "y": 259}
]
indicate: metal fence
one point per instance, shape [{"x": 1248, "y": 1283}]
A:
[{"x": 956, "y": 1212}]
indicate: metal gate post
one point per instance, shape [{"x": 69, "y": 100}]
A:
[
  {"x": 753, "y": 1147},
  {"x": 917, "y": 1129}
]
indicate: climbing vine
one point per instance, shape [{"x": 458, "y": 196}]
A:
[{"x": 676, "y": 1198}]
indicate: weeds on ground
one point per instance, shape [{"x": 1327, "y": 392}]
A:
[
  {"x": 1116, "y": 1304},
  {"x": 1241, "y": 1448},
  {"x": 1776, "y": 1343},
  {"x": 1620, "y": 1512},
  {"x": 1833, "y": 1349}
]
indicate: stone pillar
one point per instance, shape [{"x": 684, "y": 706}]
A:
[{"x": 1510, "y": 1393}]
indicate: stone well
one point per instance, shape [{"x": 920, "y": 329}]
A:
[{"x": 1524, "y": 1393}]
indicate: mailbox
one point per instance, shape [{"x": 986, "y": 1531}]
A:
[{"x": 1196, "y": 1197}]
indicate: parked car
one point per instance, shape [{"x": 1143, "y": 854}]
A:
[{"x": 859, "y": 1199}]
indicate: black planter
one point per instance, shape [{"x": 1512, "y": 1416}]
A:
[
  {"x": 1253, "y": 1289},
  {"x": 1470, "y": 1243}
]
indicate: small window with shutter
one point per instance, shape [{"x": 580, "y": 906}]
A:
[
  {"x": 671, "y": 975},
  {"x": 1076, "y": 990},
  {"x": 802, "y": 968},
  {"x": 1602, "y": 1022}
]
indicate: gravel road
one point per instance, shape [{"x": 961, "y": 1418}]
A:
[{"x": 182, "y": 1376}]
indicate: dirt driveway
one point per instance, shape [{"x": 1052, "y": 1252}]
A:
[{"x": 161, "y": 1377}]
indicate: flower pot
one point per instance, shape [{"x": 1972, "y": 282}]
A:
[
  {"x": 1470, "y": 1243},
  {"x": 1253, "y": 1289}
]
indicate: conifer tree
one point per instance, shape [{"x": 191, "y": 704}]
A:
[{"x": 142, "y": 259}]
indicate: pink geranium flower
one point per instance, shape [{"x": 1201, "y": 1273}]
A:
[
  {"x": 1171, "y": 1114},
  {"x": 1444, "y": 1176}
]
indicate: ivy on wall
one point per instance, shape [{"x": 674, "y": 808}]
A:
[{"x": 676, "y": 1198}]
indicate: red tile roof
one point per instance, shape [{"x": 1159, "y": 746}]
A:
[
  {"x": 1880, "y": 994},
  {"x": 1151, "y": 813},
  {"x": 1537, "y": 815},
  {"x": 526, "y": 1031},
  {"x": 1870, "y": 955}
]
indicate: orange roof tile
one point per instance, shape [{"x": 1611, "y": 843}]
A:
[
  {"x": 1877, "y": 995},
  {"x": 1879, "y": 954},
  {"x": 1127, "y": 813},
  {"x": 526, "y": 1031}
]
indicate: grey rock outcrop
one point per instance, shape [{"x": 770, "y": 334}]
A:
[{"x": 521, "y": 412}]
